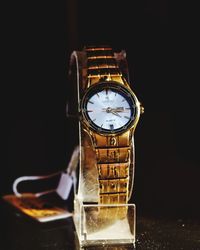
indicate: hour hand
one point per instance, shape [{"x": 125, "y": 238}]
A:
[
  {"x": 112, "y": 111},
  {"x": 118, "y": 109}
]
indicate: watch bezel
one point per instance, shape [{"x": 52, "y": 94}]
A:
[{"x": 95, "y": 88}]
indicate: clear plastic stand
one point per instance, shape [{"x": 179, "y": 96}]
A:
[{"x": 99, "y": 224}]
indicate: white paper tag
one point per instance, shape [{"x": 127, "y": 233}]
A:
[{"x": 64, "y": 186}]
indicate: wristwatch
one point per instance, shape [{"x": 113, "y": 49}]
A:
[{"x": 109, "y": 112}]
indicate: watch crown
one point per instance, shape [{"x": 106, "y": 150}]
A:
[{"x": 141, "y": 109}]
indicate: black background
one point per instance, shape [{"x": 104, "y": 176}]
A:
[{"x": 161, "y": 45}]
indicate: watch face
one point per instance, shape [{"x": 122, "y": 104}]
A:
[{"x": 109, "y": 107}]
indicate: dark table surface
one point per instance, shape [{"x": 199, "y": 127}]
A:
[{"x": 21, "y": 233}]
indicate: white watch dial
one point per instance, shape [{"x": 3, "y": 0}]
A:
[{"x": 108, "y": 109}]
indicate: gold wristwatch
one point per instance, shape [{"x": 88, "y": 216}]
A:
[{"x": 109, "y": 112}]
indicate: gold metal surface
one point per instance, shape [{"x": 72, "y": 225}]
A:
[
  {"x": 97, "y": 78},
  {"x": 113, "y": 170},
  {"x": 98, "y": 48},
  {"x": 100, "y": 57},
  {"x": 105, "y": 155},
  {"x": 141, "y": 109},
  {"x": 103, "y": 66},
  {"x": 103, "y": 75},
  {"x": 112, "y": 140}
]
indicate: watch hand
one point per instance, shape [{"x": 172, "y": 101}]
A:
[
  {"x": 110, "y": 110},
  {"x": 114, "y": 113},
  {"x": 121, "y": 109}
]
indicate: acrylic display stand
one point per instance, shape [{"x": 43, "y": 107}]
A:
[
  {"x": 96, "y": 224},
  {"x": 99, "y": 224}
]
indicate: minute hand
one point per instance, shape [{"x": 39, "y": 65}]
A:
[{"x": 115, "y": 113}]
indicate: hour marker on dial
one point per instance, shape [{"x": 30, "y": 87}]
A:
[
  {"x": 90, "y": 102},
  {"x": 127, "y": 117}
]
